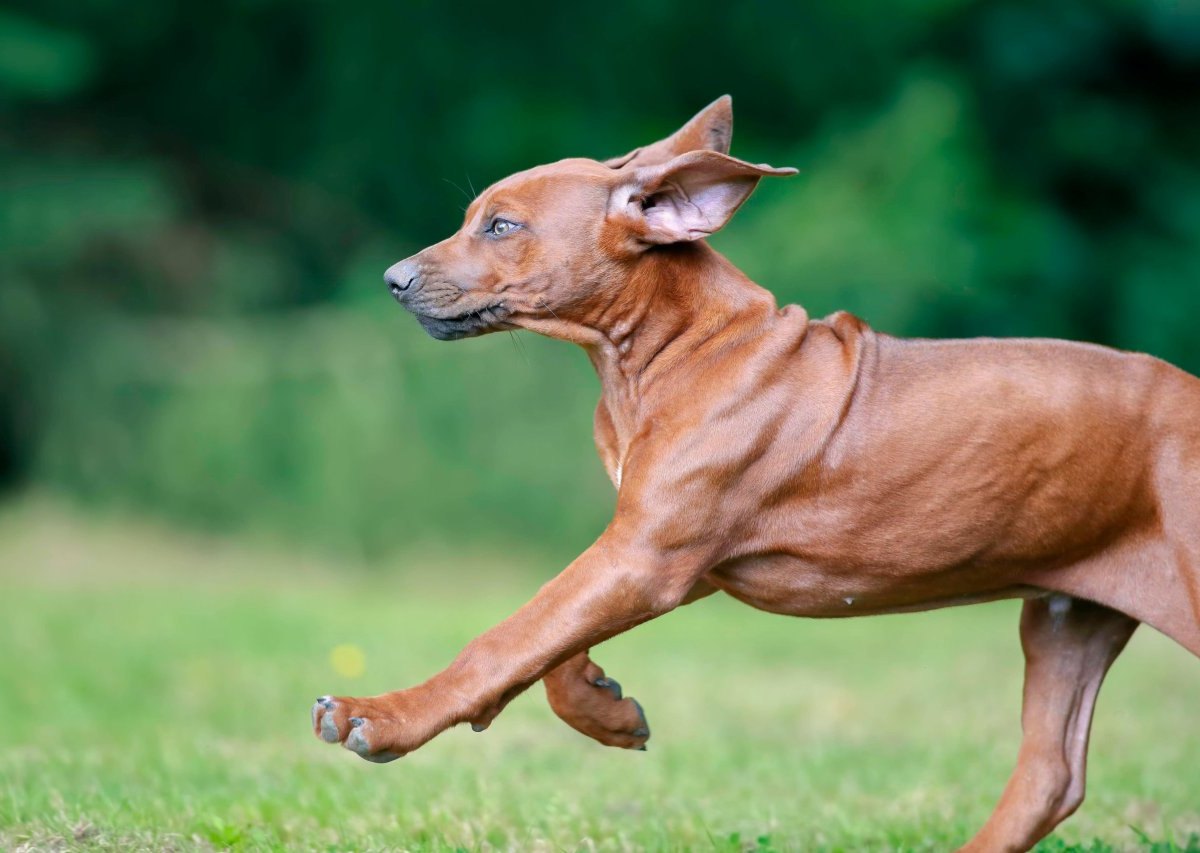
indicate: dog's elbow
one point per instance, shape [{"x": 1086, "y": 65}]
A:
[{"x": 654, "y": 581}]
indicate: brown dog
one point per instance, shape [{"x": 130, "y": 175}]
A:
[{"x": 808, "y": 467}]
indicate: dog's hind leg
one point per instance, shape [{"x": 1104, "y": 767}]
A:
[
  {"x": 1069, "y": 645},
  {"x": 1179, "y": 509},
  {"x": 588, "y": 701}
]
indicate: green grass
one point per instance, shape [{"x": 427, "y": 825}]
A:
[{"x": 158, "y": 689}]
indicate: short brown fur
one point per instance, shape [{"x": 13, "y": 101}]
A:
[{"x": 806, "y": 467}]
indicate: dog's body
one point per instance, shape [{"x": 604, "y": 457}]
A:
[
  {"x": 858, "y": 473},
  {"x": 813, "y": 468}
]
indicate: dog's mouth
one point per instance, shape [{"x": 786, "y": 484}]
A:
[{"x": 468, "y": 324}]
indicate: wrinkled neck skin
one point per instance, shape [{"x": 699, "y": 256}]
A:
[{"x": 660, "y": 322}]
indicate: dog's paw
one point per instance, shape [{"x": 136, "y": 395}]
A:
[
  {"x": 360, "y": 725},
  {"x": 612, "y": 718},
  {"x": 594, "y": 705},
  {"x": 640, "y": 733}
]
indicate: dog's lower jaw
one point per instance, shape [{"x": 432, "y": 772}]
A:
[
  {"x": 444, "y": 330},
  {"x": 489, "y": 318}
]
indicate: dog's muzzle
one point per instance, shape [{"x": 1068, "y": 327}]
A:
[
  {"x": 402, "y": 280},
  {"x": 466, "y": 325},
  {"x": 444, "y": 322}
]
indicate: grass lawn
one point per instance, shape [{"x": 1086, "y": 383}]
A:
[{"x": 159, "y": 687}]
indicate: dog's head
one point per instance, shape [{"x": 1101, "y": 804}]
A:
[{"x": 545, "y": 249}]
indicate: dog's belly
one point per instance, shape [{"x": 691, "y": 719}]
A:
[{"x": 796, "y": 587}]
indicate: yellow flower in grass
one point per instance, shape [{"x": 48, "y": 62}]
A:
[{"x": 348, "y": 660}]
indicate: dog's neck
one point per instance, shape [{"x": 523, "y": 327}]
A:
[{"x": 675, "y": 303}]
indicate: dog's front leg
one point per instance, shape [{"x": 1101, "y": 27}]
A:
[
  {"x": 592, "y": 703},
  {"x": 613, "y": 586}
]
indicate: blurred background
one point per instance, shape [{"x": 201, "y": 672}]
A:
[
  {"x": 198, "y": 200},
  {"x": 210, "y": 407}
]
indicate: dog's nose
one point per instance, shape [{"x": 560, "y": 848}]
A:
[{"x": 402, "y": 278}]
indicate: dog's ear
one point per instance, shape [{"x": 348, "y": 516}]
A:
[
  {"x": 710, "y": 129},
  {"x": 688, "y": 198}
]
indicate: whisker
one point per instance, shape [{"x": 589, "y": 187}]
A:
[
  {"x": 548, "y": 308},
  {"x": 520, "y": 346},
  {"x": 460, "y": 189},
  {"x": 517, "y": 342},
  {"x": 474, "y": 195}
]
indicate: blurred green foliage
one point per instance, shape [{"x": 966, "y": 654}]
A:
[{"x": 197, "y": 201}]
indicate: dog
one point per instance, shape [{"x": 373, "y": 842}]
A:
[{"x": 806, "y": 467}]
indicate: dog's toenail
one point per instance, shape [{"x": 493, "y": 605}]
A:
[
  {"x": 641, "y": 713},
  {"x": 325, "y": 702},
  {"x": 641, "y": 732},
  {"x": 478, "y": 727},
  {"x": 356, "y": 742},
  {"x": 642, "y": 748},
  {"x": 355, "y": 722},
  {"x": 609, "y": 684}
]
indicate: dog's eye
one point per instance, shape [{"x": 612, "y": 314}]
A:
[{"x": 499, "y": 227}]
